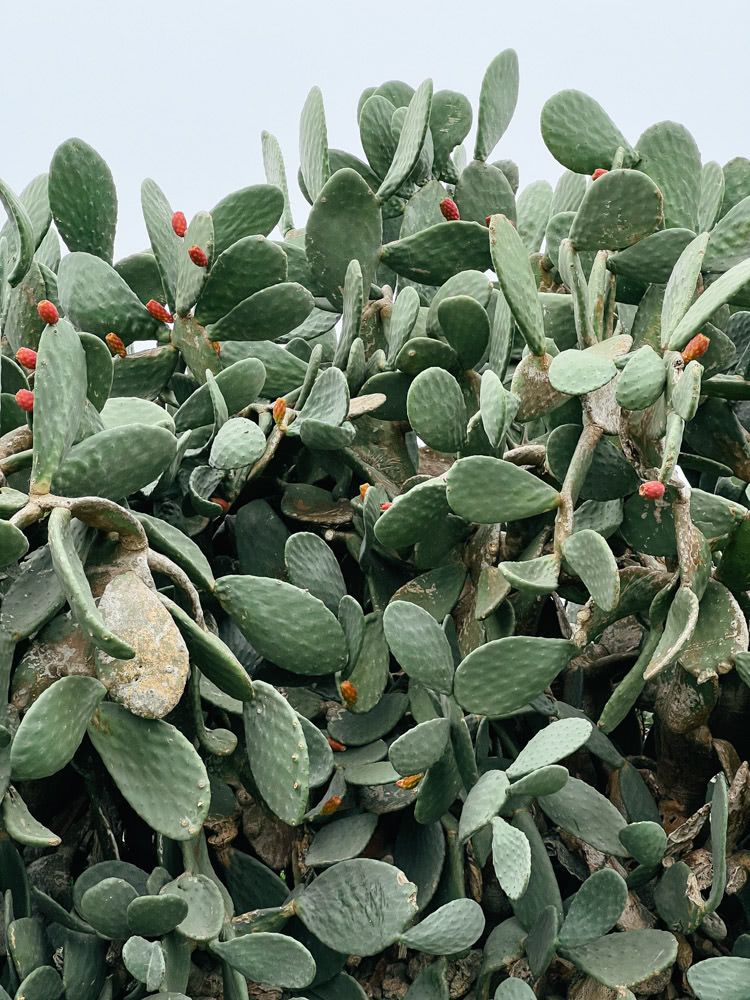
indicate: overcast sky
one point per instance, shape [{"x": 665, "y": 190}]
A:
[{"x": 179, "y": 90}]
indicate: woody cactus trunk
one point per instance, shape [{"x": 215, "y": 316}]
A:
[{"x": 382, "y": 630}]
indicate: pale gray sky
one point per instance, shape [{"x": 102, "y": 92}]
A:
[{"x": 179, "y": 90}]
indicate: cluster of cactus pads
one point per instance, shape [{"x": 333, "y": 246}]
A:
[{"x": 382, "y": 631}]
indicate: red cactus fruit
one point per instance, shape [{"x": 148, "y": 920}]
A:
[
  {"x": 696, "y": 347},
  {"x": 449, "y": 210},
  {"x": 216, "y": 346},
  {"x": 652, "y": 490},
  {"x": 335, "y": 745},
  {"x": 25, "y": 399},
  {"x": 279, "y": 410},
  {"x": 158, "y": 311},
  {"x": 198, "y": 256},
  {"x": 487, "y": 220},
  {"x": 386, "y": 506},
  {"x": 409, "y": 781},
  {"x": 48, "y": 312},
  {"x": 599, "y": 172},
  {"x": 26, "y": 357},
  {"x": 116, "y": 345},
  {"x": 179, "y": 223},
  {"x": 331, "y": 805},
  {"x": 224, "y": 504},
  {"x": 348, "y": 692}
]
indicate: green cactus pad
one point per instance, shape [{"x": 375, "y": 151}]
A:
[
  {"x": 620, "y": 960},
  {"x": 595, "y": 908},
  {"x": 115, "y": 462},
  {"x": 450, "y": 929},
  {"x": 154, "y": 916},
  {"x": 276, "y": 959},
  {"x": 550, "y": 745},
  {"x": 21, "y": 825},
  {"x": 669, "y": 155},
  {"x": 190, "y": 276},
  {"x": 205, "y": 914},
  {"x": 42, "y": 747},
  {"x": 466, "y": 327},
  {"x": 642, "y": 380},
  {"x": 490, "y": 490},
  {"x": 592, "y": 560},
  {"x": 357, "y": 730},
  {"x": 144, "y": 960},
  {"x": 514, "y": 989},
  {"x": 652, "y": 258},
  {"x": 484, "y": 801},
  {"x": 311, "y": 565},
  {"x": 578, "y": 132},
  {"x": 278, "y": 754},
  {"x": 533, "y": 212},
  {"x": 344, "y": 225},
  {"x": 645, "y": 841},
  {"x": 83, "y": 199},
  {"x": 156, "y": 769},
  {"x": 410, "y": 141},
  {"x": 268, "y": 314},
  {"x": 59, "y": 395},
  {"x": 419, "y": 748},
  {"x": 723, "y": 978},
  {"x": 497, "y": 102},
  {"x": 165, "y": 243},
  {"x": 312, "y": 641},
  {"x": 421, "y": 353},
  {"x": 577, "y": 373},
  {"x": 618, "y": 210},
  {"x": 587, "y": 814},
  {"x": 239, "y": 443},
  {"x": 511, "y": 858},
  {"x": 413, "y": 516},
  {"x": 341, "y": 840},
  {"x": 105, "y": 906},
  {"x": 419, "y": 645},
  {"x": 436, "y": 409},
  {"x": 246, "y": 267},
  {"x": 511, "y": 263},
  {"x": 313, "y": 144},
  {"x": 360, "y": 906},
  {"x": 715, "y": 296},
  {"x": 434, "y": 255},
  {"x": 544, "y": 781},
  {"x": 13, "y": 543},
  {"x": 679, "y": 627},
  {"x": 95, "y": 298},
  {"x": 450, "y": 121},
  {"x": 483, "y": 685},
  {"x": 251, "y": 211},
  {"x": 484, "y": 190}
]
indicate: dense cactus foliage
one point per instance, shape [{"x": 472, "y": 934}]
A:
[{"x": 383, "y": 629}]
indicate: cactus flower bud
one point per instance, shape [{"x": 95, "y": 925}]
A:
[
  {"x": 26, "y": 357},
  {"x": 409, "y": 781},
  {"x": 386, "y": 506},
  {"x": 599, "y": 172},
  {"x": 487, "y": 220},
  {"x": 198, "y": 256},
  {"x": 279, "y": 410},
  {"x": 115, "y": 344},
  {"x": 216, "y": 346},
  {"x": 696, "y": 348},
  {"x": 48, "y": 312},
  {"x": 449, "y": 210},
  {"x": 348, "y": 692},
  {"x": 363, "y": 490},
  {"x": 652, "y": 490},
  {"x": 179, "y": 223},
  {"x": 335, "y": 745},
  {"x": 331, "y": 805},
  {"x": 25, "y": 399},
  {"x": 158, "y": 311}
]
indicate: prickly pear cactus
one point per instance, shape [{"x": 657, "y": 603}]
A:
[{"x": 374, "y": 595}]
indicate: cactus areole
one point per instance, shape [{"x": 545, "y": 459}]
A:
[{"x": 374, "y": 600}]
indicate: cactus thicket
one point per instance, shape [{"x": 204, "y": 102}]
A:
[{"x": 375, "y": 594}]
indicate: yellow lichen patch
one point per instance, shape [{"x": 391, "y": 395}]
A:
[{"x": 152, "y": 682}]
